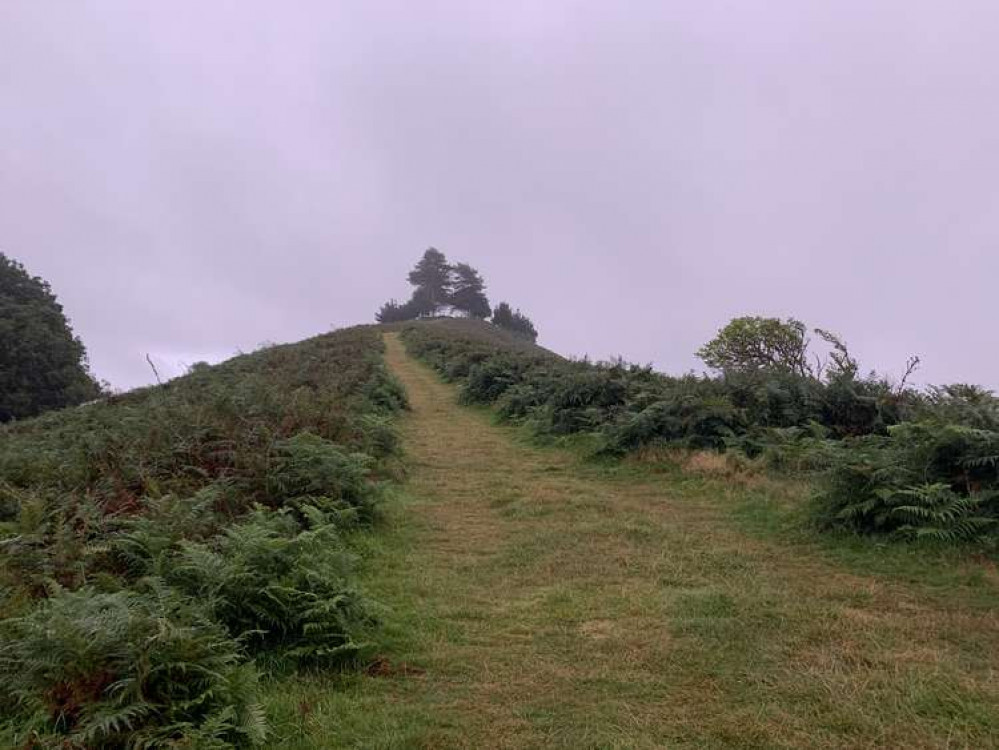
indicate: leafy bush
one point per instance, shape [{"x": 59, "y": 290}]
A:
[
  {"x": 583, "y": 400},
  {"x": 377, "y": 436},
  {"x": 489, "y": 380},
  {"x": 146, "y": 545},
  {"x": 684, "y": 419},
  {"x": 520, "y": 401},
  {"x": 961, "y": 404},
  {"x": 633, "y": 405},
  {"x": 385, "y": 393},
  {"x": 789, "y": 450}
]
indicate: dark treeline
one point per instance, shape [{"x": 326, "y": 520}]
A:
[
  {"x": 889, "y": 458},
  {"x": 440, "y": 288}
]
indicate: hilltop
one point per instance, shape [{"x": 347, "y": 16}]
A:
[{"x": 473, "y": 331}]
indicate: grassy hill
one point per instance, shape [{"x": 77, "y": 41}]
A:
[
  {"x": 537, "y": 598},
  {"x": 278, "y": 552},
  {"x": 158, "y": 546},
  {"x": 890, "y": 460}
]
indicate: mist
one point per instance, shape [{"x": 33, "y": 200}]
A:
[{"x": 197, "y": 179}]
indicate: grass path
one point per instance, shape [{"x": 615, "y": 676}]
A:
[{"x": 537, "y": 602}]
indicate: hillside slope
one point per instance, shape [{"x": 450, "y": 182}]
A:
[
  {"x": 894, "y": 461},
  {"x": 234, "y": 560},
  {"x": 158, "y": 547},
  {"x": 539, "y": 601}
]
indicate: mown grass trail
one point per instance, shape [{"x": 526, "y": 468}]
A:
[{"x": 534, "y": 601}]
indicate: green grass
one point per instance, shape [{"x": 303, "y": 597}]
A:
[
  {"x": 536, "y": 600},
  {"x": 525, "y": 595},
  {"x": 354, "y": 710}
]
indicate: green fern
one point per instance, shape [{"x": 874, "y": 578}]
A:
[
  {"x": 935, "y": 511},
  {"x": 106, "y": 670}
]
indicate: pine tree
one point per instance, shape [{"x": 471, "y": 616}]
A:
[
  {"x": 432, "y": 279},
  {"x": 468, "y": 292},
  {"x": 42, "y": 364}
]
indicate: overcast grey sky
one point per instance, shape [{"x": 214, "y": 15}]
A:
[{"x": 198, "y": 177}]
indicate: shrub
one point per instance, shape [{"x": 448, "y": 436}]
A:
[
  {"x": 961, "y": 404},
  {"x": 377, "y": 436},
  {"x": 146, "y": 545},
  {"x": 935, "y": 511},
  {"x": 891, "y": 460},
  {"x": 52, "y": 543},
  {"x": 520, "y": 401},
  {"x": 385, "y": 393},
  {"x": 489, "y": 380},
  {"x": 460, "y": 365},
  {"x": 685, "y": 419},
  {"x": 774, "y": 398},
  {"x": 583, "y": 400},
  {"x": 789, "y": 450}
]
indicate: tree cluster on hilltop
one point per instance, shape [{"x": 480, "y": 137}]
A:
[
  {"x": 42, "y": 364},
  {"x": 440, "y": 288}
]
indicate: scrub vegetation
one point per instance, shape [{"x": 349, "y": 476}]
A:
[
  {"x": 536, "y": 598},
  {"x": 784, "y": 554},
  {"x": 890, "y": 460},
  {"x": 162, "y": 550}
]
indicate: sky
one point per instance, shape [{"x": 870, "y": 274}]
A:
[{"x": 195, "y": 179}]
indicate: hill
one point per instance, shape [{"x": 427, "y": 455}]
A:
[
  {"x": 676, "y": 598},
  {"x": 157, "y": 546},
  {"x": 889, "y": 460},
  {"x": 316, "y": 546}
]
